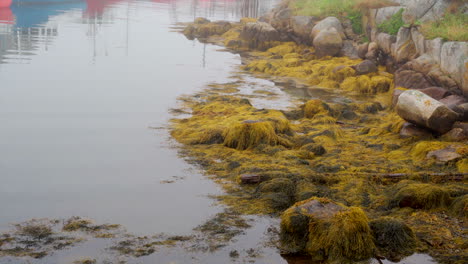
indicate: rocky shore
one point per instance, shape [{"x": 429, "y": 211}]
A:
[{"x": 379, "y": 173}]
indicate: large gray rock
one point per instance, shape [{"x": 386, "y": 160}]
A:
[
  {"x": 436, "y": 92},
  {"x": 365, "y": 67},
  {"x": 404, "y": 49},
  {"x": 454, "y": 62},
  {"x": 302, "y": 27},
  {"x": 281, "y": 19},
  {"x": 258, "y": 32},
  {"x": 328, "y": 43},
  {"x": 412, "y": 80},
  {"x": 327, "y": 23},
  {"x": 420, "y": 109},
  {"x": 349, "y": 50}
]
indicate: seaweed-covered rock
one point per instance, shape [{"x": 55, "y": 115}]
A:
[
  {"x": 314, "y": 107},
  {"x": 278, "y": 193},
  {"x": 393, "y": 238},
  {"x": 420, "y": 196},
  {"x": 459, "y": 206},
  {"x": 326, "y": 230},
  {"x": 328, "y": 42},
  {"x": 204, "y": 29},
  {"x": 314, "y": 148},
  {"x": 249, "y": 134},
  {"x": 418, "y": 108}
]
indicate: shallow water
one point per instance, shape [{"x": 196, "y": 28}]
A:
[{"x": 84, "y": 97}]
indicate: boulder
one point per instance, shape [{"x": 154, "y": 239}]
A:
[
  {"x": 436, "y": 92},
  {"x": 328, "y": 43},
  {"x": 349, "y": 50},
  {"x": 453, "y": 101},
  {"x": 281, "y": 19},
  {"x": 404, "y": 49},
  {"x": 412, "y": 80},
  {"x": 259, "y": 32},
  {"x": 454, "y": 62},
  {"x": 385, "y": 42},
  {"x": 302, "y": 27},
  {"x": 456, "y": 134},
  {"x": 327, "y": 23},
  {"x": 326, "y": 230},
  {"x": 365, "y": 67},
  {"x": 419, "y": 108},
  {"x": 411, "y": 130}
]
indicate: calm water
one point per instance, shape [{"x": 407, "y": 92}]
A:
[
  {"x": 85, "y": 89},
  {"x": 82, "y": 86}
]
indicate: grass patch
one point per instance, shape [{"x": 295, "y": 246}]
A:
[
  {"x": 452, "y": 27},
  {"x": 392, "y": 25},
  {"x": 351, "y": 9}
]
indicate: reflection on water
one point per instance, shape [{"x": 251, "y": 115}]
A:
[{"x": 26, "y": 28}]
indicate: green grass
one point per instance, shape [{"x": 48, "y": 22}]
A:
[
  {"x": 322, "y": 8},
  {"x": 452, "y": 27},
  {"x": 336, "y": 8},
  {"x": 392, "y": 25}
]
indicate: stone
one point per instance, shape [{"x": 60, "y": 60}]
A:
[
  {"x": 420, "y": 109},
  {"x": 454, "y": 62},
  {"x": 362, "y": 50},
  {"x": 436, "y": 92},
  {"x": 327, "y": 23},
  {"x": 328, "y": 43},
  {"x": 302, "y": 27},
  {"x": 349, "y": 50},
  {"x": 281, "y": 19},
  {"x": 445, "y": 155},
  {"x": 404, "y": 48},
  {"x": 365, "y": 67},
  {"x": 456, "y": 134},
  {"x": 452, "y": 101},
  {"x": 462, "y": 125},
  {"x": 411, "y": 130},
  {"x": 412, "y": 80},
  {"x": 258, "y": 32},
  {"x": 385, "y": 42}
]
